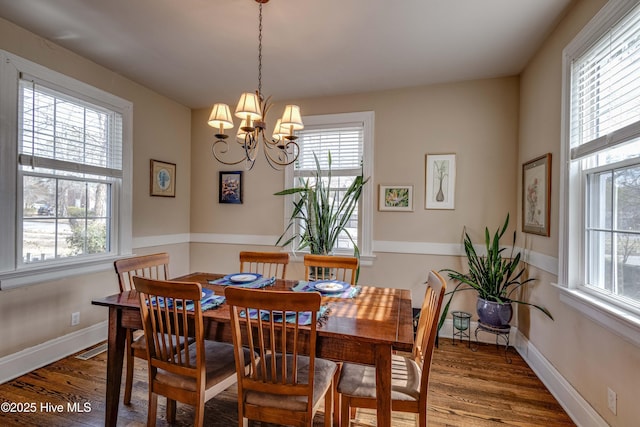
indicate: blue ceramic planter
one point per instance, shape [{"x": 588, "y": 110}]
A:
[{"x": 494, "y": 313}]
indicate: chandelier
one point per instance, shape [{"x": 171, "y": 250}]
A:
[{"x": 280, "y": 149}]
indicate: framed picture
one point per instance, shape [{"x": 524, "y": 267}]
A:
[
  {"x": 230, "y": 190},
  {"x": 536, "y": 195},
  {"x": 396, "y": 198},
  {"x": 162, "y": 181},
  {"x": 440, "y": 181}
]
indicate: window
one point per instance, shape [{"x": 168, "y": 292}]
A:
[
  {"x": 349, "y": 139},
  {"x": 601, "y": 142},
  {"x": 71, "y": 203}
]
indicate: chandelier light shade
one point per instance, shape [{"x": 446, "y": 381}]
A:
[
  {"x": 248, "y": 107},
  {"x": 280, "y": 150},
  {"x": 221, "y": 119}
]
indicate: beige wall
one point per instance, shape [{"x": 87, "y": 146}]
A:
[
  {"x": 493, "y": 126},
  {"x": 587, "y": 355},
  {"x": 477, "y": 120},
  {"x": 162, "y": 130}
]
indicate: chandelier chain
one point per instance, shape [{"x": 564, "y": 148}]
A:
[{"x": 260, "y": 53}]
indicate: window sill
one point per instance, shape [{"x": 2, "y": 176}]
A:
[
  {"x": 40, "y": 274},
  {"x": 621, "y": 322}
]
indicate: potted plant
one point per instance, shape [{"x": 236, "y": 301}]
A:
[
  {"x": 320, "y": 212},
  {"x": 495, "y": 278}
]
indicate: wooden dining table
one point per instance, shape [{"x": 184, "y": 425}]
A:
[{"x": 364, "y": 329}]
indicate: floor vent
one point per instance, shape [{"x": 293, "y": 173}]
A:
[{"x": 93, "y": 352}]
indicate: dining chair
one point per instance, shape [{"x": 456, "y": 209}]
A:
[
  {"x": 331, "y": 267},
  {"x": 286, "y": 381},
  {"x": 191, "y": 372},
  {"x": 410, "y": 375},
  {"x": 268, "y": 264},
  {"x": 155, "y": 266}
]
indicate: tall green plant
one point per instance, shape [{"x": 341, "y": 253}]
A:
[
  {"x": 493, "y": 276},
  {"x": 320, "y": 213}
]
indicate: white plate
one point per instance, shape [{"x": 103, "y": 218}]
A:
[
  {"x": 330, "y": 286},
  {"x": 244, "y": 277}
]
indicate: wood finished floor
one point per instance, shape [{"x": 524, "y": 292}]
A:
[{"x": 467, "y": 389}]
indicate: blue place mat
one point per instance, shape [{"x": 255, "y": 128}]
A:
[
  {"x": 256, "y": 284},
  {"x": 304, "y": 286},
  {"x": 208, "y": 301},
  {"x": 303, "y": 319}
]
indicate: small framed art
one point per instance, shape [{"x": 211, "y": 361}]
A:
[
  {"x": 230, "y": 190},
  {"x": 440, "y": 181},
  {"x": 536, "y": 195},
  {"x": 162, "y": 181},
  {"x": 396, "y": 198}
]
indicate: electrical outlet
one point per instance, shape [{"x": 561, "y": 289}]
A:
[
  {"x": 75, "y": 318},
  {"x": 612, "y": 400}
]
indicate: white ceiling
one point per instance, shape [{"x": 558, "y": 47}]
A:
[{"x": 203, "y": 51}]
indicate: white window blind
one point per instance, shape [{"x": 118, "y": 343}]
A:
[
  {"x": 605, "y": 96},
  {"x": 343, "y": 142},
  {"x": 67, "y": 134}
]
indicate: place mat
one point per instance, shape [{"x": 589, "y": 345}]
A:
[
  {"x": 209, "y": 300},
  {"x": 303, "y": 319},
  {"x": 304, "y": 286},
  {"x": 256, "y": 284}
]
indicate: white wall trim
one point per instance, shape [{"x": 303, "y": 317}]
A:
[
  {"x": 580, "y": 411},
  {"x": 541, "y": 261},
  {"x": 166, "y": 239},
  {"x": 53, "y": 272},
  {"x": 29, "y": 359},
  {"x": 234, "y": 239},
  {"x": 544, "y": 262},
  {"x": 422, "y": 248},
  {"x": 620, "y": 322}
]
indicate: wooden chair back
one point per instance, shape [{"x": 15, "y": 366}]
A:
[
  {"x": 266, "y": 336},
  {"x": 330, "y": 267},
  {"x": 155, "y": 266},
  {"x": 168, "y": 318},
  {"x": 428, "y": 327},
  {"x": 269, "y": 264}
]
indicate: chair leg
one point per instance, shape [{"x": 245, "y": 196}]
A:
[
  {"x": 199, "y": 416},
  {"x": 242, "y": 421},
  {"x": 345, "y": 413},
  {"x": 128, "y": 383},
  {"x": 328, "y": 405},
  {"x": 153, "y": 406},
  {"x": 336, "y": 396},
  {"x": 422, "y": 418},
  {"x": 171, "y": 410}
]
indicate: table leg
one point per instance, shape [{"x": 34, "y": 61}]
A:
[
  {"x": 115, "y": 356},
  {"x": 383, "y": 385}
]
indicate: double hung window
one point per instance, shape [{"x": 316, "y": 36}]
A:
[
  {"x": 601, "y": 204},
  {"x": 68, "y": 143},
  {"x": 348, "y": 139}
]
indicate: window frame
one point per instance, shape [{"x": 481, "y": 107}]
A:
[
  {"x": 12, "y": 272},
  {"x": 606, "y": 310},
  {"x": 365, "y": 212}
]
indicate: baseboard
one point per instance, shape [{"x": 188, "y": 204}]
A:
[
  {"x": 573, "y": 403},
  {"x": 24, "y": 361}
]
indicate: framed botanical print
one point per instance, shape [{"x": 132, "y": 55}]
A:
[
  {"x": 536, "y": 195},
  {"x": 440, "y": 181},
  {"x": 162, "y": 181},
  {"x": 396, "y": 198},
  {"x": 230, "y": 189}
]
